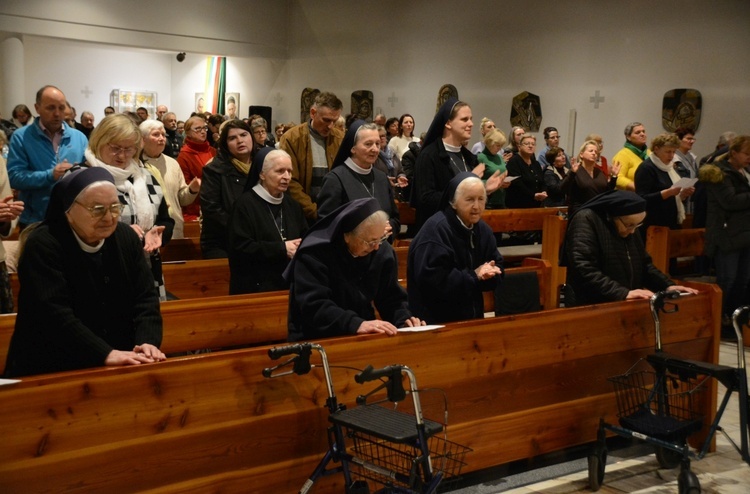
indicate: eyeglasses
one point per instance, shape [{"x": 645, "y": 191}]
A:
[
  {"x": 118, "y": 150},
  {"x": 259, "y": 132},
  {"x": 630, "y": 227},
  {"x": 374, "y": 243},
  {"x": 200, "y": 129},
  {"x": 97, "y": 212}
]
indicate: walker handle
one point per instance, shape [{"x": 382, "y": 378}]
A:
[
  {"x": 276, "y": 353},
  {"x": 371, "y": 374}
]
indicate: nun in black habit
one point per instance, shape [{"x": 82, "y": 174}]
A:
[
  {"x": 265, "y": 227},
  {"x": 342, "y": 272},
  {"x": 353, "y": 176},
  {"x": 443, "y": 155},
  {"x": 87, "y": 295},
  {"x": 605, "y": 255},
  {"x": 454, "y": 257}
]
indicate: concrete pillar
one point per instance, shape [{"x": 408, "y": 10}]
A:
[{"x": 12, "y": 76}]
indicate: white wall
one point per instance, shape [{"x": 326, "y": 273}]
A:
[{"x": 632, "y": 51}]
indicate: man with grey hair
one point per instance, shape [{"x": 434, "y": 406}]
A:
[
  {"x": 161, "y": 110},
  {"x": 312, "y": 146},
  {"x": 41, "y": 153},
  {"x": 87, "y": 123},
  {"x": 379, "y": 119}
]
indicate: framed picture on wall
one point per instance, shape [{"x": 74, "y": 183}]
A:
[
  {"x": 232, "y": 105},
  {"x": 123, "y": 100},
  {"x": 200, "y": 103}
]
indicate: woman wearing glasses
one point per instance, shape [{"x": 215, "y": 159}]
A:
[
  {"x": 528, "y": 190},
  {"x": 605, "y": 255},
  {"x": 114, "y": 145},
  {"x": 88, "y": 297},
  {"x": 353, "y": 176},
  {"x": 454, "y": 257},
  {"x": 196, "y": 151},
  {"x": 342, "y": 271},
  {"x": 223, "y": 183},
  {"x": 260, "y": 134}
]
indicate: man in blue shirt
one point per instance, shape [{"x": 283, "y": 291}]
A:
[{"x": 41, "y": 153}]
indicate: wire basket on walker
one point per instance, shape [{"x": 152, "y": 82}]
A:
[
  {"x": 659, "y": 400},
  {"x": 398, "y": 451}
]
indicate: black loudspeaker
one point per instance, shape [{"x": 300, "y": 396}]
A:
[{"x": 263, "y": 111}]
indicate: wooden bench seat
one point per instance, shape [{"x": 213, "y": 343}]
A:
[
  {"x": 234, "y": 320},
  {"x": 182, "y": 249},
  {"x": 664, "y": 244},
  {"x": 516, "y": 387}
]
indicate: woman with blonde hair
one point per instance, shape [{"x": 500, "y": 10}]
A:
[
  {"x": 586, "y": 180},
  {"x": 114, "y": 145},
  {"x": 491, "y": 157},
  {"x": 485, "y": 126}
]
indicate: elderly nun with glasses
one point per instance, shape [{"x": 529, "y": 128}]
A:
[
  {"x": 605, "y": 255},
  {"x": 342, "y": 271},
  {"x": 88, "y": 296}
]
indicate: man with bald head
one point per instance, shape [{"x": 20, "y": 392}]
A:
[
  {"x": 160, "y": 111},
  {"x": 41, "y": 153}
]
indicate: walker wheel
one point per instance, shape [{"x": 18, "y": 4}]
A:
[
  {"x": 597, "y": 462},
  {"x": 687, "y": 483},
  {"x": 668, "y": 458}
]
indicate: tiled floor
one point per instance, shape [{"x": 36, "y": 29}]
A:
[{"x": 721, "y": 472}]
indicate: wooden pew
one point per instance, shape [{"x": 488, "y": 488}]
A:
[
  {"x": 215, "y": 322},
  {"x": 664, "y": 244},
  {"x": 517, "y": 387},
  {"x": 197, "y": 279},
  {"x": 553, "y": 235},
  {"x": 192, "y": 229},
  {"x": 182, "y": 249},
  {"x": 542, "y": 267},
  {"x": 203, "y": 321},
  {"x": 519, "y": 220}
]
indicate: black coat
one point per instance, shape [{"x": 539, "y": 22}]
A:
[
  {"x": 649, "y": 182},
  {"x": 333, "y": 293},
  {"x": 521, "y": 192},
  {"x": 728, "y": 218},
  {"x": 222, "y": 184},
  {"x": 257, "y": 254},
  {"x": 604, "y": 267},
  {"x": 432, "y": 173},
  {"x": 441, "y": 280},
  {"x": 74, "y": 308}
]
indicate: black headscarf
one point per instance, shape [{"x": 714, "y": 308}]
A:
[
  {"x": 616, "y": 203},
  {"x": 67, "y": 189},
  {"x": 345, "y": 150},
  {"x": 450, "y": 189},
  {"x": 607, "y": 204},
  {"x": 331, "y": 227},
  {"x": 437, "y": 126},
  {"x": 253, "y": 176}
]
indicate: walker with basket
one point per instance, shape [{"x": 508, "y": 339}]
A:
[
  {"x": 658, "y": 399},
  {"x": 400, "y": 452}
]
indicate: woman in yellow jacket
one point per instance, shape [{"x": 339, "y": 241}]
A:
[{"x": 631, "y": 155}]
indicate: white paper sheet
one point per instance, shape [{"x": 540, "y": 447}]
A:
[
  {"x": 418, "y": 329},
  {"x": 686, "y": 182},
  {"x": 5, "y": 382},
  {"x": 510, "y": 179}
]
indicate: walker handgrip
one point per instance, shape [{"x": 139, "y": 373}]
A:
[
  {"x": 296, "y": 349},
  {"x": 370, "y": 374}
]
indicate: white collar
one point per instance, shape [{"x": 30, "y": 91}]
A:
[
  {"x": 266, "y": 196},
  {"x": 356, "y": 168},
  {"x": 451, "y": 148},
  {"x": 86, "y": 247}
]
